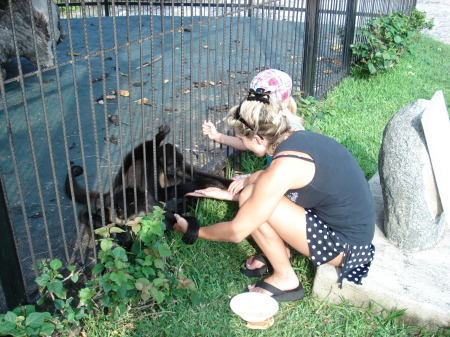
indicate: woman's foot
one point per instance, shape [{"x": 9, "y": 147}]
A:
[
  {"x": 281, "y": 289},
  {"x": 256, "y": 266}
]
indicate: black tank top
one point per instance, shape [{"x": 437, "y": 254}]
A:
[{"x": 339, "y": 192}]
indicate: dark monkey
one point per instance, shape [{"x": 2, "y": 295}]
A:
[{"x": 138, "y": 172}]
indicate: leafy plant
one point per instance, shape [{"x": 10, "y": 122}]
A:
[
  {"x": 121, "y": 281},
  {"x": 311, "y": 110},
  {"x": 385, "y": 39}
]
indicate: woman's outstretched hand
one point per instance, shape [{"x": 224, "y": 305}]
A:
[
  {"x": 209, "y": 129},
  {"x": 212, "y": 192}
]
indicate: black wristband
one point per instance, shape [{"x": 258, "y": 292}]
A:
[{"x": 191, "y": 234}]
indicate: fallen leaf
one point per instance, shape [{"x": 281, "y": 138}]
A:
[
  {"x": 114, "y": 119},
  {"x": 125, "y": 93},
  {"x": 142, "y": 101},
  {"x": 73, "y": 54},
  {"x": 166, "y": 81},
  {"x": 123, "y": 74},
  {"x": 37, "y": 215},
  {"x": 110, "y": 96},
  {"x": 337, "y": 48}
]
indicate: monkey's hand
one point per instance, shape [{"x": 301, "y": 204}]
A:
[{"x": 189, "y": 226}]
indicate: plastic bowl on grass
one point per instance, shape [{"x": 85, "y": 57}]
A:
[{"x": 254, "y": 307}]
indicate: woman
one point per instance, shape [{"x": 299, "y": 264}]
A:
[{"x": 313, "y": 197}]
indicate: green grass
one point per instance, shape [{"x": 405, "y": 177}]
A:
[{"x": 360, "y": 109}]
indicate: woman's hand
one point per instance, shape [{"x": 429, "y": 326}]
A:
[
  {"x": 209, "y": 129},
  {"x": 212, "y": 192},
  {"x": 237, "y": 186},
  {"x": 181, "y": 225}
]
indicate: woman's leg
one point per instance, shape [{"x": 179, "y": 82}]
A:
[{"x": 287, "y": 225}]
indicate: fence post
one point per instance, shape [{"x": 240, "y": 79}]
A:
[
  {"x": 349, "y": 34},
  {"x": 105, "y": 3},
  {"x": 250, "y": 5},
  {"x": 310, "y": 47},
  {"x": 11, "y": 279}
]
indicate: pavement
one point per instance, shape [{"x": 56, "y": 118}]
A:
[{"x": 439, "y": 11}]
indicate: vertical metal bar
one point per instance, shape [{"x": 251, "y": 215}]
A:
[
  {"x": 310, "y": 47},
  {"x": 11, "y": 278},
  {"x": 105, "y": 3},
  {"x": 104, "y": 92},
  {"x": 350, "y": 27}
]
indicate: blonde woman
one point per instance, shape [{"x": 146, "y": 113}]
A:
[
  {"x": 279, "y": 84},
  {"x": 313, "y": 197}
]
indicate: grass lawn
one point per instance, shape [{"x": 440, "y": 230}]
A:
[{"x": 356, "y": 114}]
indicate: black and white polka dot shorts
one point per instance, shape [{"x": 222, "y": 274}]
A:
[{"x": 324, "y": 245}]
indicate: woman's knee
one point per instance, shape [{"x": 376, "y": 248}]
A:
[{"x": 245, "y": 193}]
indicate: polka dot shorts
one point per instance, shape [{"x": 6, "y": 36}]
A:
[{"x": 324, "y": 245}]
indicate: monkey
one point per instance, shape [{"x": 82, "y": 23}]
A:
[
  {"x": 124, "y": 239},
  {"x": 171, "y": 180},
  {"x": 129, "y": 200},
  {"x": 126, "y": 188},
  {"x": 177, "y": 177}
]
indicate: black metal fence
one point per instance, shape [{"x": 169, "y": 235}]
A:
[{"x": 148, "y": 63}]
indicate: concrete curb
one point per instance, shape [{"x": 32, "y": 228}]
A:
[{"x": 416, "y": 281}]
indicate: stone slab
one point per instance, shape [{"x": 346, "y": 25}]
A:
[
  {"x": 436, "y": 128},
  {"x": 416, "y": 281}
]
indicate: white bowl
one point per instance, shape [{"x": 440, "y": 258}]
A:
[{"x": 254, "y": 307}]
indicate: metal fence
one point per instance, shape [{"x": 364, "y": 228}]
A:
[{"x": 148, "y": 63}]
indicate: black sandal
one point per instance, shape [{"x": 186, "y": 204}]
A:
[
  {"x": 257, "y": 272},
  {"x": 281, "y": 295}
]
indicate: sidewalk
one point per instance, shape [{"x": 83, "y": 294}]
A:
[{"x": 439, "y": 11}]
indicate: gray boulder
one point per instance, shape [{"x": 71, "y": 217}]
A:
[
  {"x": 413, "y": 214},
  {"x": 48, "y": 31}
]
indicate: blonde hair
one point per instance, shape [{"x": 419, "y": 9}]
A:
[
  {"x": 290, "y": 104},
  {"x": 268, "y": 120}
]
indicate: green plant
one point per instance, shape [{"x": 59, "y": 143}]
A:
[
  {"x": 311, "y": 110},
  {"x": 385, "y": 39},
  {"x": 25, "y": 321},
  {"x": 122, "y": 281}
]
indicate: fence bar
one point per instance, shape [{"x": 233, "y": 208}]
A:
[
  {"x": 310, "y": 47},
  {"x": 350, "y": 22},
  {"x": 11, "y": 280}
]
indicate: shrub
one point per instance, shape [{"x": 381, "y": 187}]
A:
[
  {"x": 385, "y": 39},
  {"x": 122, "y": 280}
]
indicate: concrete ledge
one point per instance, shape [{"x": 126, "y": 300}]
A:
[{"x": 416, "y": 281}]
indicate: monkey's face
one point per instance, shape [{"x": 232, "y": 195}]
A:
[{"x": 130, "y": 207}]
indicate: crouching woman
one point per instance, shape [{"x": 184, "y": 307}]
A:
[{"x": 313, "y": 197}]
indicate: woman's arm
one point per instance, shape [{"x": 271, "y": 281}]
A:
[
  {"x": 271, "y": 185},
  {"x": 209, "y": 129}
]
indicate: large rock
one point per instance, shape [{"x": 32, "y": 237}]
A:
[
  {"x": 48, "y": 31},
  {"x": 413, "y": 214}
]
